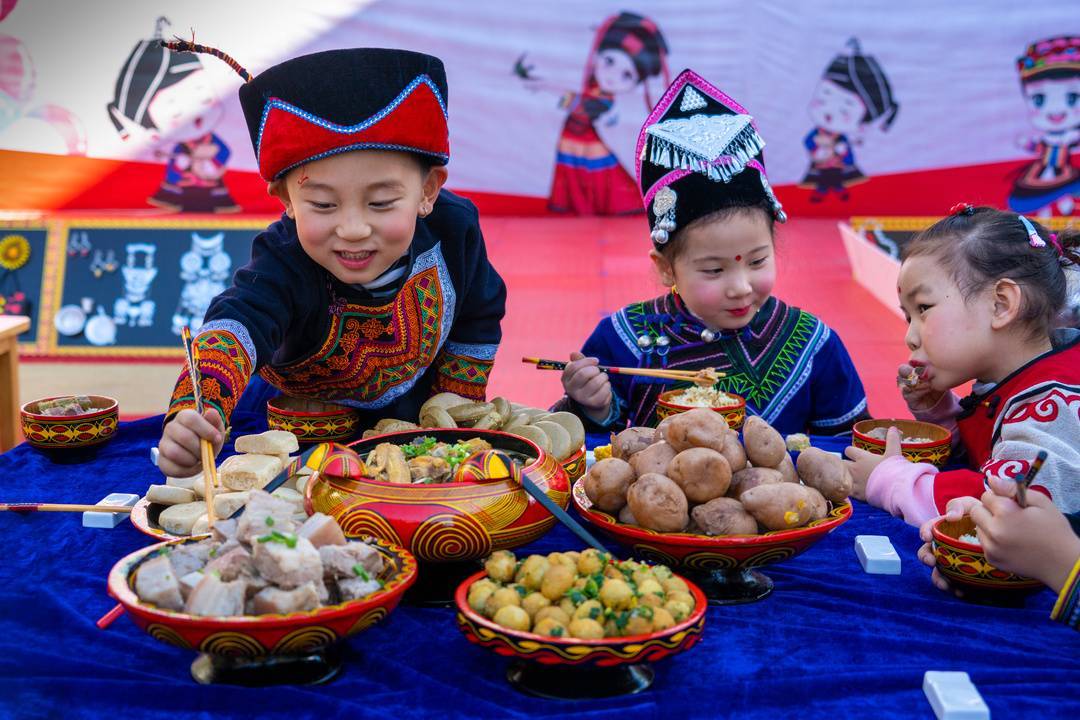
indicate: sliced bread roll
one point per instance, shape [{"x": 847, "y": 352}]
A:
[
  {"x": 179, "y": 519},
  {"x": 248, "y": 472},
  {"x": 271, "y": 442},
  {"x": 169, "y": 495}
]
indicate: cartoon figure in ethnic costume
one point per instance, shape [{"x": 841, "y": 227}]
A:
[
  {"x": 429, "y": 322},
  {"x": 1050, "y": 80},
  {"x": 161, "y": 94},
  {"x": 700, "y": 163},
  {"x": 628, "y": 50},
  {"x": 853, "y": 94}
]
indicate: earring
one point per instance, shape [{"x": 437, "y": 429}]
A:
[{"x": 674, "y": 289}]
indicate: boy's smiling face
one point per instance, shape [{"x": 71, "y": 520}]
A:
[{"x": 356, "y": 212}]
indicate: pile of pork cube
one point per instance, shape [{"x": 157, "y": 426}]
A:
[{"x": 267, "y": 561}]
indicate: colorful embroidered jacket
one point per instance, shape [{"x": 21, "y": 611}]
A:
[
  {"x": 311, "y": 336},
  {"x": 1001, "y": 429},
  {"x": 791, "y": 368}
]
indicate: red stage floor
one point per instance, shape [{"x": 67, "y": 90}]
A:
[{"x": 564, "y": 275}]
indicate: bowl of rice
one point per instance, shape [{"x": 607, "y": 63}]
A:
[
  {"x": 732, "y": 407},
  {"x": 920, "y": 441},
  {"x": 960, "y": 559}
]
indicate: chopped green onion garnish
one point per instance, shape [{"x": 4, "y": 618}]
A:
[
  {"x": 270, "y": 521},
  {"x": 361, "y": 572}
]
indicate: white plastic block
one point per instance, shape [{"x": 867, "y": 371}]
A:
[
  {"x": 953, "y": 696},
  {"x": 877, "y": 555},
  {"x": 154, "y": 455},
  {"x": 108, "y": 519}
]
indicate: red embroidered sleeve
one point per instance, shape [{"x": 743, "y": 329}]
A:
[{"x": 225, "y": 367}]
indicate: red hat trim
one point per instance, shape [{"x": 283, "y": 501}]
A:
[{"x": 290, "y": 136}]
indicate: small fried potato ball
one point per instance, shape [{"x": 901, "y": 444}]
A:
[
  {"x": 558, "y": 558},
  {"x": 500, "y": 599},
  {"x": 513, "y": 617},
  {"x": 662, "y": 572},
  {"x": 550, "y": 627},
  {"x": 661, "y": 619},
  {"x": 479, "y": 594},
  {"x": 591, "y": 609},
  {"x": 555, "y": 613},
  {"x": 616, "y": 594},
  {"x": 675, "y": 584},
  {"x": 534, "y": 603},
  {"x": 591, "y": 561},
  {"x": 684, "y": 597},
  {"x": 642, "y": 574},
  {"x": 639, "y": 623},
  {"x": 650, "y": 588},
  {"x": 573, "y": 556},
  {"x": 557, "y": 580},
  {"x": 500, "y": 566},
  {"x": 568, "y": 607},
  {"x": 586, "y": 629},
  {"x": 679, "y": 611},
  {"x": 531, "y": 572}
]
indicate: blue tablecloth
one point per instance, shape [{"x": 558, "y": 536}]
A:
[{"x": 829, "y": 642}]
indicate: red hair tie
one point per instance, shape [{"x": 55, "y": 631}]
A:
[{"x": 962, "y": 208}]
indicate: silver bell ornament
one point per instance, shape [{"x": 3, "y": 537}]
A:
[
  {"x": 659, "y": 236},
  {"x": 644, "y": 342},
  {"x": 707, "y": 335}
]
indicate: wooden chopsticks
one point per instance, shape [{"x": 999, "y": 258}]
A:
[
  {"x": 694, "y": 376},
  {"x": 207, "y": 447},
  {"x": 63, "y": 507}
]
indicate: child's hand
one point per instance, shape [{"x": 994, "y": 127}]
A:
[
  {"x": 954, "y": 510},
  {"x": 863, "y": 462},
  {"x": 587, "y": 386},
  {"x": 179, "y": 454},
  {"x": 1036, "y": 541},
  {"x": 919, "y": 396}
]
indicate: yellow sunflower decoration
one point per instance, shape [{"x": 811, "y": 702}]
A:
[{"x": 14, "y": 252}]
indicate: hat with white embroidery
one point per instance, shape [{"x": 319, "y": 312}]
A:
[{"x": 699, "y": 152}]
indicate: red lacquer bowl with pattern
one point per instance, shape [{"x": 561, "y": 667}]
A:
[
  {"x": 965, "y": 566},
  {"x": 722, "y": 564},
  {"x": 935, "y": 450},
  {"x": 312, "y": 421},
  {"x": 576, "y": 668},
  {"x": 734, "y": 414},
  {"x": 70, "y": 432},
  {"x": 261, "y": 637},
  {"x": 445, "y": 522}
]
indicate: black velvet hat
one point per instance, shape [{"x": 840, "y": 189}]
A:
[{"x": 698, "y": 152}]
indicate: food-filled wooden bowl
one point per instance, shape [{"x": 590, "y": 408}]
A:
[
  {"x": 722, "y": 564},
  {"x": 964, "y": 565},
  {"x": 928, "y": 443},
  {"x": 95, "y": 423},
  {"x": 312, "y": 421},
  {"x": 261, "y": 636},
  {"x": 734, "y": 412},
  {"x": 568, "y": 667},
  {"x": 446, "y": 521}
]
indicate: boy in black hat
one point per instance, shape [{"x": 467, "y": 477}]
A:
[{"x": 373, "y": 290}]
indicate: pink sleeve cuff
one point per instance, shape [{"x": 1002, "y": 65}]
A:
[{"x": 904, "y": 489}]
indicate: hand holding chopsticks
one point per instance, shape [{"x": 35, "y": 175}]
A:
[{"x": 706, "y": 377}]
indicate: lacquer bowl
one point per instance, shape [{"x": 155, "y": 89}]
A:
[
  {"x": 260, "y": 639},
  {"x": 312, "y": 421},
  {"x": 575, "y": 465},
  {"x": 936, "y": 451},
  {"x": 446, "y": 522},
  {"x": 69, "y": 432},
  {"x": 723, "y": 564},
  {"x": 965, "y": 566},
  {"x": 733, "y": 414},
  {"x": 575, "y": 668}
]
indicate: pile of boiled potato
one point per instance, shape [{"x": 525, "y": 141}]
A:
[
  {"x": 585, "y": 595},
  {"x": 692, "y": 475},
  {"x": 559, "y": 434}
]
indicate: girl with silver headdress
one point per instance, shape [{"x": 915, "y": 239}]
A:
[{"x": 711, "y": 213}]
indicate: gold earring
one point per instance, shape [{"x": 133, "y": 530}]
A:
[{"x": 674, "y": 289}]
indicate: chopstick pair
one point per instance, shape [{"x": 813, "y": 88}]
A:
[
  {"x": 62, "y": 507},
  {"x": 191, "y": 350},
  {"x": 1024, "y": 481},
  {"x": 693, "y": 376}
]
